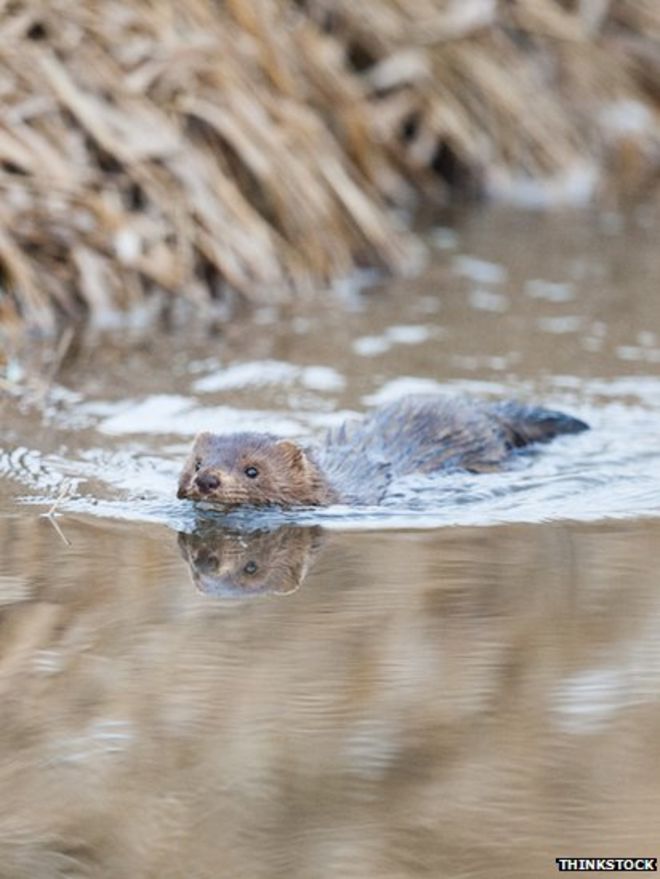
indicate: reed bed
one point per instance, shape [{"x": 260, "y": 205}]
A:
[
  {"x": 527, "y": 101},
  {"x": 255, "y": 149}
]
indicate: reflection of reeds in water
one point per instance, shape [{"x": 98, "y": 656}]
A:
[
  {"x": 189, "y": 148},
  {"x": 465, "y": 702}
]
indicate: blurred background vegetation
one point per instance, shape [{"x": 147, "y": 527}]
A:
[{"x": 160, "y": 151}]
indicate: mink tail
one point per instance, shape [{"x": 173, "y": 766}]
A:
[{"x": 532, "y": 424}]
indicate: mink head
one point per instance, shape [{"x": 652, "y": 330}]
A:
[{"x": 251, "y": 469}]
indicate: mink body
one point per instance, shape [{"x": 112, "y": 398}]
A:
[{"x": 357, "y": 463}]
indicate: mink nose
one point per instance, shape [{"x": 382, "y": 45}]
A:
[{"x": 206, "y": 482}]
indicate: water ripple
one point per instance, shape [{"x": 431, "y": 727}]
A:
[{"x": 612, "y": 471}]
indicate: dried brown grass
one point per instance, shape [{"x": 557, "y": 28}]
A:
[
  {"x": 490, "y": 93},
  {"x": 207, "y": 149},
  {"x": 177, "y": 147}
]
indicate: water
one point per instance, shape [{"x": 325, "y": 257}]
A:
[{"x": 465, "y": 683}]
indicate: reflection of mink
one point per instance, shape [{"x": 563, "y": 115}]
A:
[
  {"x": 356, "y": 463},
  {"x": 233, "y": 563}
]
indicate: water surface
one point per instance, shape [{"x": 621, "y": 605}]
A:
[{"x": 466, "y": 683}]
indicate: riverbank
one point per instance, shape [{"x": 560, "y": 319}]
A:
[{"x": 210, "y": 154}]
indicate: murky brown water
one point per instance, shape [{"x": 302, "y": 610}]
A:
[{"x": 467, "y": 689}]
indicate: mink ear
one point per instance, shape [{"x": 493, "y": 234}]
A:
[{"x": 293, "y": 453}]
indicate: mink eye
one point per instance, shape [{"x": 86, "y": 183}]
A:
[
  {"x": 251, "y": 472},
  {"x": 198, "y": 465},
  {"x": 251, "y": 568}
]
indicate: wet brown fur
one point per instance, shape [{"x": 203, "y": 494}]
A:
[
  {"x": 287, "y": 477},
  {"x": 356, "y": 463}
]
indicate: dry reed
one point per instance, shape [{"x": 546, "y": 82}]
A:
[{"x": 155, "y": 148}]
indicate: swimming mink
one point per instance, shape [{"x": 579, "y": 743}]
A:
[{"x": 356, "y": 463}]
